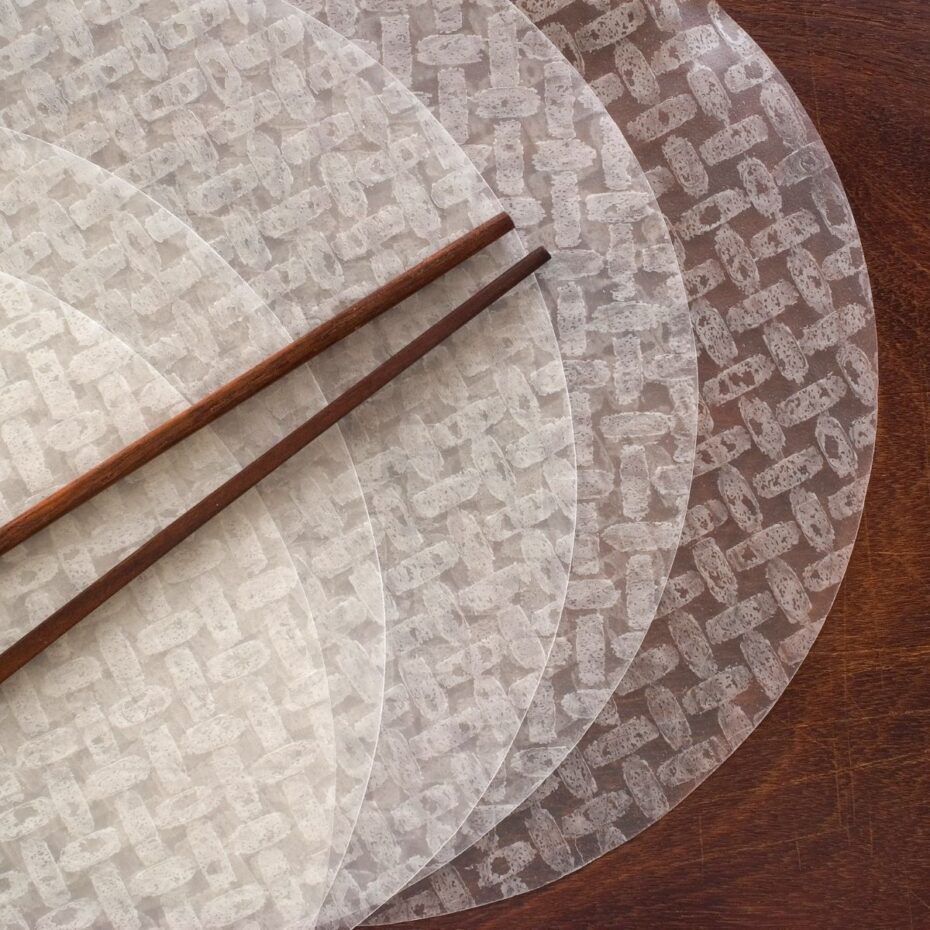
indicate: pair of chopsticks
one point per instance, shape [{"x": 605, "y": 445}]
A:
[{"x": 224, "y": 399}]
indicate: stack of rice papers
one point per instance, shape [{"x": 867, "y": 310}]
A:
[{"x": 520, "y": 603}]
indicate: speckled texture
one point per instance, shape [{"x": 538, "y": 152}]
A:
[{"x": 782, "y": 310}]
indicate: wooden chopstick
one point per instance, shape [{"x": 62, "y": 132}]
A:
[
  {"x": 249, "y": 383},
  {"x": 108, "y": 584}
]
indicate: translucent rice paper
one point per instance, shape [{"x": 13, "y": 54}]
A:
[
  {"x": 317, "y": 177},
  {"x": 97, "y": 242},
  {"x": 782, "y": 308},
  {"x": 170, "y": 761},
  {"x": 557, "y": 161}
]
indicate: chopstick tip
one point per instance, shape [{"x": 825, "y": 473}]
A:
[
  {"x": 541, "y": 254},
  {"x": 504, "y": 221}
]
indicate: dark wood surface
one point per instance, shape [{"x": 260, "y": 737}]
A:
[
  {"x": 822, "y": 819},
  {"x": 108, "y": 584}
]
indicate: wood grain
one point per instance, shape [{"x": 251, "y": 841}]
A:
[
  {"x": 250, "y": 383},
  {"x": 103, "y": 588},
  {"x": 822, "y": 819}
]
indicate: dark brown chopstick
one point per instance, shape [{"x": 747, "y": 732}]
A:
[
  {"x": 249, "y": 383},
  {"x": 98, "y": 592}
]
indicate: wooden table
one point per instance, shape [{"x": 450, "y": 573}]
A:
[{"x": 822, "y": 819}]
